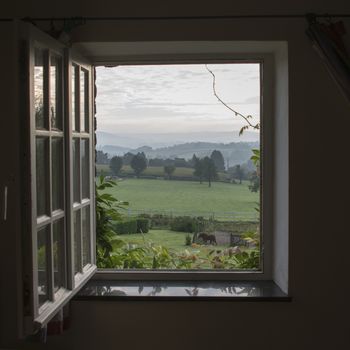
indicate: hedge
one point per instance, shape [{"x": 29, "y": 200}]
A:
[{"x": 130, "y": 226}]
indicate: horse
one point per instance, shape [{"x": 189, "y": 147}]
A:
[{"x": 205, "y": 237}]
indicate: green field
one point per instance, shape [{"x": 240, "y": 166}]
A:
[{"x": 187, "y": 197}]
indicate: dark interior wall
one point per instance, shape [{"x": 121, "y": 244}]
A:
[{"x": 317, "y": 318}]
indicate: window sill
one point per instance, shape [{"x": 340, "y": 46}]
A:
[{"x": 109, "y": 290}]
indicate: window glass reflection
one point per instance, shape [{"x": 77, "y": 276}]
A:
[
  {"x": 58, "y": 254},
  {"x": 57, "y": 173},
  {"x": 85, "y": 212},
  {"x": 42, "y": 265},
  {"x": 41, "y": 175},
  {"x": 39, "y": 89},
  {"x": 56, "y": 92}
]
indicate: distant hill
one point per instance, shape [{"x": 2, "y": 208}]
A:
[
  {"x": 234, "y": 152},
  {"x": 159, "y": 140}
]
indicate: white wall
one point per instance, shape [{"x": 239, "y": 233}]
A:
[{"x": 318, "y": 317}]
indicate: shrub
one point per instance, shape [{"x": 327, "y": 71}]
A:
[
  {"x": 188, "y": 240},
  {"x": 126, "y": 226},
  {"x": 142, "y": 225},
  {"x": 183, "y": 224}
]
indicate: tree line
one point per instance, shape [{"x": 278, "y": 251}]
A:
[{"x": 204, "y": 169}]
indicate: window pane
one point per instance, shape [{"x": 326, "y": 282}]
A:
[
  {"x": 85, "y": 212},
  {"x": 58, "y": 254},
  {"x": 75, "y": 120},
  {"x": 77, "y": 241},
  {"x": 76, "y": 170},
  {"x": 42, "y": 266},
  {"x": 56, "y": 92},
  {"x": 57, "y": 173},
  {"x": 85, "y": 168},
  {"x": 84, "y": 113},
  {"x": 42, "y": 175},
  {"x": 39, "y": 89}
]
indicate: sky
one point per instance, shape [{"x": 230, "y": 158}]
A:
[{"x": 176, "y": 102}]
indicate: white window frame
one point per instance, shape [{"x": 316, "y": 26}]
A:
[
  {"x": 34, "y": 316},
  {"x": 273, "y": 57}
]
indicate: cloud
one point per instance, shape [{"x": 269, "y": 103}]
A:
[{"x": 175, "y": 96}]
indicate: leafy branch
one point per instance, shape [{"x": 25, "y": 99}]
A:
[{"x": 246, "y": 118}]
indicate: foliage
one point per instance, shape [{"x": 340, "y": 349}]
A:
[
  {"x": 125, "y": 226},
  {"x": 238, "y": 173},
  {"x": 116, "y": 165},
  {"x": 107, "y": 211},
  {"x": 138, "y": 163},
  {"x": 255, "y": 158},
  {"x": 188, "y": 239},
  {"x": 183, "y": 224},
  {"x": 131, "y": 225},
  {"x": 218, "y": 160},
  {"x": 142, "y": 225},
  {"x": 255, "y": 176},
  {"x": 169, "y": 170},
  {"x": 101, "y": 157},
  {"x": 198, "y": 168},
  {"x": 148, "y": 255},
  {"x": 209, "y": 170}
]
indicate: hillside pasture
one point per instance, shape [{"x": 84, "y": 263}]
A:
[{"x": 187, "y": 198}]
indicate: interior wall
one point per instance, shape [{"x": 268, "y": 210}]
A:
[{"x": 317, "y": 318}]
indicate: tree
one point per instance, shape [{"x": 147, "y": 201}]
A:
[
  {"x": 127, "y": 157},
  {"x": 116, "y": 164},
  {"x": 238, "y": 173},
  {"x": 218, "y": 159},
  {"x": 169, "y": 169},
  {"x": 209, "y": 170},
  {"x": 139, "y": 163},
  {"x": 101, "y": 157},
  {"x": 193, "y": 161},
  {"x": 198, "y": 168}
]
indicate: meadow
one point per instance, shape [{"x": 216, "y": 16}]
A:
[{"x": 187, "y": 198}]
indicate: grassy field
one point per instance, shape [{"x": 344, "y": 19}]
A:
[
  {"x": 174, "y": 241},
  {"x": 186, "y": 197},
  {"x": 153, "y": 171}
]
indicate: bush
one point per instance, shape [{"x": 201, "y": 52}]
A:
[
  {"x": 183, "y": 224},
  {"x": 126, "y": 226},
  {"x": 188, "y": 240},
  {"x": 142, "y": 225}
]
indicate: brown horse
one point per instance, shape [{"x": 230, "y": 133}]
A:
[{"x": 207, "y": 238}]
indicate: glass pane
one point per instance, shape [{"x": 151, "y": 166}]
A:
[
  {"x": 84, "y": 112},
  {"x": 58, "y": 254},
  {"x": 42, "y": 175},
  {"x": 39, "y": 89},
  {"x": 75, "y": 120},
  {"x": 77, "y": 242},
  {"x": 85, "y": 213},
  {"x": 85, "y": 168},
  {"x": 57, "y": 173},
  {"x": 42, "y": 266},
  {"x": 56, "y": 92},
  {"x": 76, "y": 170}
]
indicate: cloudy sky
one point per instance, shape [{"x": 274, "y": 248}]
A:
[{"x": 176, "y": 101}]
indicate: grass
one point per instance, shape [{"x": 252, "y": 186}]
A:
[
  {"x": 173, "y": 240},
  {"x": 187, "y": 197}
]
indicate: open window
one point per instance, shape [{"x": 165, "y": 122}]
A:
[
  {"x": 59, "y": 240},
  {"x": 59, "y": 234}
]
